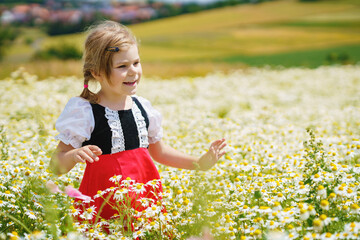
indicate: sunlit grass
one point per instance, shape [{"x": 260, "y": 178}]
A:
[
  {"x": 76, "y": 39},
  {"x": 45, "y": 69},
  {"x": 306, "y": 58}
]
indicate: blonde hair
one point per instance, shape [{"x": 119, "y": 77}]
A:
[{"x": 97, "y": 57}]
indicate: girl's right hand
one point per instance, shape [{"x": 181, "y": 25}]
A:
[{"x": 87, "y": 153}]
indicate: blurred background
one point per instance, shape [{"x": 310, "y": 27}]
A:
[{"x": 182, "y": 37}]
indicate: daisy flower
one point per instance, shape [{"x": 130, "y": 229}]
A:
[
  {"x": 120, "y": 194},
  {"x": 138, "y": 234},
  {"x": 115, "y": 178},
  {"x": 139, "y": 188},
  {"x": 30, "y": 214},
  {"x": 7, "y": 194},
  {"x": 88, "y": 213}
]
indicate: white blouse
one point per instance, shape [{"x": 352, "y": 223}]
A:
[{"x": 76, "y": 122}]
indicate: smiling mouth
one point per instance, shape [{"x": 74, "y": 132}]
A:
[{"x": 130, "y": 83}]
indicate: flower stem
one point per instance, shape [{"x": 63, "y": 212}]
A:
[{"x": 15, "y": 220}]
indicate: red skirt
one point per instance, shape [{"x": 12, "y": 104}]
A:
[{"x": 135, "y": 164}]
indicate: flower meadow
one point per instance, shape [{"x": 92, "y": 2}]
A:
[{"x": 291, "y": 170}]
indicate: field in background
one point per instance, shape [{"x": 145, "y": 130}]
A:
[{"x": 288, "y": 33}]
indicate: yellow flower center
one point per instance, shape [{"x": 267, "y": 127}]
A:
[
  {"x": 323, "y": 217},
  {"x": 324, "y": 203},
  {"x": 317, "y": 222}
]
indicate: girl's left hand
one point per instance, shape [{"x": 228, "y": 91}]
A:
[{"x": 215, "y": 152}]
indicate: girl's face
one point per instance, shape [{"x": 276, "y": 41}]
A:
[{"x": 125, "y": 73}]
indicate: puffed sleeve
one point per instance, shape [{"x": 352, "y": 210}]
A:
[
  {"x": 155, "y": 131},
  {"x": 75, "y": 123}
]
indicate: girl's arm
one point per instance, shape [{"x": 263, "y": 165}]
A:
[
  {"x": 169, "y": 156},
  {"x": 65, "y": 157}
]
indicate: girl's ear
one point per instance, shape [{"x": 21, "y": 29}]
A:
[{"x": 96, "y": 76}]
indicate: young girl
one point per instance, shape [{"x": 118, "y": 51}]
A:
[{"x": 113, "y": 131}]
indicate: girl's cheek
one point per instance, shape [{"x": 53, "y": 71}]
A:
[{"x": 139, "y": 69}]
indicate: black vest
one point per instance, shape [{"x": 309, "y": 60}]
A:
[{"x": 102, "y": 134}]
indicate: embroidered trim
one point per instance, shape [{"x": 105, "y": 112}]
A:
[
  {"x": 117, "y": 139},
  {"x": 141, "y": 126}
]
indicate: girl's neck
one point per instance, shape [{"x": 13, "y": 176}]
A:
[{"x": 115, "y": 102}]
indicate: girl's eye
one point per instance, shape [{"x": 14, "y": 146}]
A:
[
  {"x": 122, "y": 66},
  {"x": 136, "y": 63}
]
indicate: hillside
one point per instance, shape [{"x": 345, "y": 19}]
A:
[
  {"x": 268, "y": 28},
  {"x": 284, "y": 32}
]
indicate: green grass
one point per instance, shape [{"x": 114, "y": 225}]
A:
[
  {"x": 308, "y": 58},
  {"x": 313, "y": 24}
]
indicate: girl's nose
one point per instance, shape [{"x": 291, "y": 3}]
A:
[{"x": 132, "y": 70}]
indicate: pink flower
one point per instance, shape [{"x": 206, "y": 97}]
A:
[
  {"x": 53, "y": 187},
  {"x": 72, "y": 192}
]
